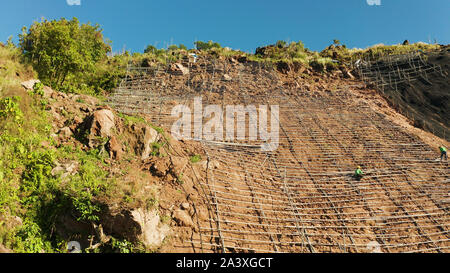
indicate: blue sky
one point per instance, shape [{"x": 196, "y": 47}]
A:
[{"x": 244, "y": 24}]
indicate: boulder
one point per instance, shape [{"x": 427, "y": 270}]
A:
[
  {"x": 181, "y": 68},
  {"x": 65, "y": 169},
  {"x": 100, "y": 124},
  {"x": 185, "y": 206},
  {"x": 227, "y": 78},
  {"x": 149, "y": 137},
  {"x": 65, "y": 133},
  {"x": 48, "y": 92},
  {"x": 136, "y": 225},
  {"x": 29, "y": 85},
  {"x": 114, "y": 148},
  {"x": 183, "y": 218},
  {"x": 160, "y": 166},
  {"x": 153, "y": 232}
]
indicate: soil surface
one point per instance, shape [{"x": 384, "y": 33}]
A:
[{"x": 301, "y": 197}]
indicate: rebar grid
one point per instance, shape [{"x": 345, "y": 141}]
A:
[{"x": 303, "y": 197}]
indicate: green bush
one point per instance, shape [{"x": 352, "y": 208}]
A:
[
  {"x": 9, "y": 107},
  {"x": 38, "y": 89},
  {"x": 63, "y": 50},
  {"x": 206, "y": 46},
  {"x": 29, "y": 239},
  {"x": 151, "y": 49},
  {"x": 196, "y": 158},
  {"x": 121, "y": 246}
]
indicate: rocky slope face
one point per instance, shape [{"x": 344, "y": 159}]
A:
[
  {"x": 330, "y": 123},
  {"x": 418, "y": 87},
  {"x": 154, "y": 193},
  {"x": 160, "y": 200}
]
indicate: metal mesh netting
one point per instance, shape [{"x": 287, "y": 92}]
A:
[{"x": 303, "y": 197}]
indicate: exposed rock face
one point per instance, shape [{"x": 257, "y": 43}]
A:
[
  {"x": 179, "y": 67},
  {"x": 65, "y": 133},
  {"x": 159, "y": 167},
  {"x": 153, "y": 232},
  {"x": 66, "y": 169},
  {"x": 114, "y": 148},
  {"x": 29, "y": 85},
  {"x": 137, "y": 225},
  {"x": 183, "y": 218},
  {"x": 283, "y": 67},
  {"x": 101, "y": 124},
  {"x": 150, "y": 136}
]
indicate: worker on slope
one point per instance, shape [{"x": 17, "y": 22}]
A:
[
  {"x": 443, "y": 152},
  {"x": 359, "y": 173}
]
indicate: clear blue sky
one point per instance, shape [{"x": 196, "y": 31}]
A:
[{"x": 243, "y": 24}]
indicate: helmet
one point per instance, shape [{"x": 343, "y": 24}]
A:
[{"x": 359, "y": 167}]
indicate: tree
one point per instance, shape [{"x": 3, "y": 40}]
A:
[
  {"x": 150, "y": 49},
  {"x": 183, "y": 47},
  {"x": 60, "y": 48},
  {"x": 205, "y": 46},
  {"x": 173, "y": 48}
]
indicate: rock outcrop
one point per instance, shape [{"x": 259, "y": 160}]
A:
[
  {"x": 100, "y": 125},
  {"x": 137, "y": 225}
]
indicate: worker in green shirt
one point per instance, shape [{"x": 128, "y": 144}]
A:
[
  {"x": 359, "y": 173},
  {"x": 443, "y": 152}
]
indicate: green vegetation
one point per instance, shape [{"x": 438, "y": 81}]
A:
[
  {"x": 195, "y": 158},
  {"x": 71, "y": 57},
  {"x": 344, "y": 55},
  {"x": 9, "y": 108},
  {"x": 180, "y": 179},
  {"x": 121, "y": 246},
  {"x": 206, "y": 46},
  {"x": 29, "y": 187},
  {"x": 128, "y": 119},
  {"x": 11, "y": 66}
]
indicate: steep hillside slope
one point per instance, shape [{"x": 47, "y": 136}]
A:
[
  {"x": 417, "y": 85},
  {"x": 73, "y": 169},
  {"x": 302, "y": 197}
]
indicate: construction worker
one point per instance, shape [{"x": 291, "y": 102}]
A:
[
  {"x": 443, "y": 152},
  {"x": 359, "y": 173}
]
